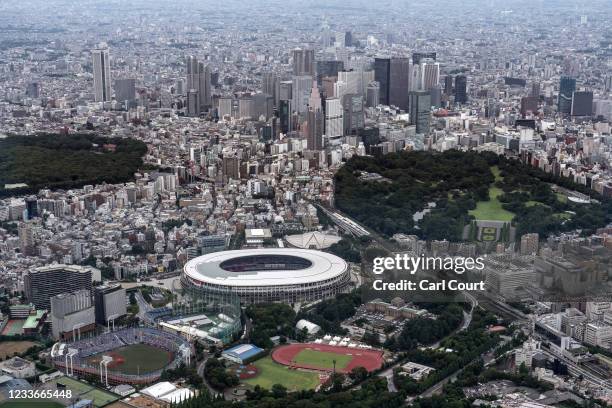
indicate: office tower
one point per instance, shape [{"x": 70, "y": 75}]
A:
[
  {"x": 567, "y": 86},
  {"x": 284, "y": 115},
  {"x": 33, "y": 90},
  {"x": 109, "y": 303},
  {"x": 529, "y": 104},
  {"x": 535, "y": 90},
  {"x": 72, "y": 314},
  {"x": 199, "y": 79},
  {"x": 193, "y": 103},
  {"x": 40, "y": 284},
  {"x": 225, "y": 108},
  {"x": 328, "y": 69},
  {"x": 314, "y": 101},
  {"x": 382, "y": 75},
  {"x": 372, "y": 94},
  {"x": 436, "y": 96},
  {"x": 348, "y": 39},
  {"x": 301, "y": 88},
  {"x": 231, "y": 167},
  {"x": 125, "y": 90},
  {"x": 448, "y": 85},
  {"x": 353, "y": 114},
  {"x": 245, "y": 107},
  {"x": 582, "y": 103},
  {"x": 420, "y": 107},
  {"x": 608, "y": 83},
  {"x": 271, "y": 85},
  {"x": 418, "y": 56},
  {"x": 334, "y": 126},
  {"x": 399, "y": 73},
  {"x": 27, "y": 244},
  {"x": 429, "y": 74},
  {"x": 529, "y": 244},
  {"x": 286, "y": 91},
  {"x": 461, "y": 89},
  {"x": 101, "y": 73},
  {"x": 303, "y": 62},
  {"x": 314, "y": 129},
  {"x": 263, "y": 105},
  {"x": 31, "y": 207}
]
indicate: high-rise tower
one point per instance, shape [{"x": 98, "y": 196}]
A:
[{"x": 102, "y": 77}]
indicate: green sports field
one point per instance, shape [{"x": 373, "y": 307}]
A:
[
  {"x": 85, "y": 391},
  {"x": 271, "y": 373},
  {"x": 492, "y": 210},
  {"x": 322, "y": 359},
  {"x": 136, "y": 359}
]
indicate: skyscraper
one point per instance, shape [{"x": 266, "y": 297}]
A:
[
  {"x": 334, "y": 127},
  {"x": 372, "y": 94},
  {"x": 271, "y": 86},
  {"x": 420, "y": 107},
  {"x": 199, "y": 79},
  {"x": 382, "y": 74},
  {"x": 303, "y": 62},
  {"x": 101, "y": 72},
  {"x": 300, "y": 89},
  {"x": 567, "y": 86},
  {"x": 314, "y": 129},
  {"x": 448, "y": 85},
  {"x": 399, "y": 73},
  {"x": 125, "y": 90},
  {"x": 461, "y": 89},
  {"x": 353, "y": 114},
  {"x": 328, "y": 69},
  {"x": 429, "y": 74},
  {"x": 284, "y": 114},
  {"x": 418, "y": 56},
  {"x": 582, "y": 103}
]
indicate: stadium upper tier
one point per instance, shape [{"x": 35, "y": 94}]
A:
[{"x": 277, "y": 274}]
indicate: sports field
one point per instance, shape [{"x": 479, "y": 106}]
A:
[
  {"x": 322, "y": 359},
  {"x": 9, "y": 348},
  {"x": 271, "y": 373},
  {"x": 492, "y": 210},
  {"x": 136, "y": 359},
  {"x": 84, "y": 391}
]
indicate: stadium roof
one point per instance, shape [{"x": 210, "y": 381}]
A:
[
  {"x": 243, "y": 351},
  {"x": 319, "y": 266}
]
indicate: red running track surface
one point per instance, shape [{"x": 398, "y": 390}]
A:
[{"x": 368, "y": 359}]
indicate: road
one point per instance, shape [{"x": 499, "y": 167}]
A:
[
  {"x": 143, "y": 305},
  {"x": 200, "y": 370}
]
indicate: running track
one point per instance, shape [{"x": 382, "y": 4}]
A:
[{"x": 368, "y": 359}]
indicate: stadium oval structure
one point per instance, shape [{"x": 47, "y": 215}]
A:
[{"x": 268, "y": 275}]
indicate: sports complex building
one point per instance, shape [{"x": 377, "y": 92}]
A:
[{"x": 267, "y": 275}]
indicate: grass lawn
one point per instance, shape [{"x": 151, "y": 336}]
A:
[
  {"x": 492, "y": 210},
  {"x": 561, "y": 197},
  {"x": 137, "y": 358},
  {"x": 27, "y": 403},
  {"x": 87, "y": 391},
  {"x": 322, "y": 359},
  {"x": 271, "y": 373},
  {"x": 495, "y": 171}
]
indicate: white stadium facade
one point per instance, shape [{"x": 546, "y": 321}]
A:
[{"x": 268, "y": 275}]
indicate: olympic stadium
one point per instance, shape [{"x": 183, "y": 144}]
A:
[{"x": 267, "y": 275}]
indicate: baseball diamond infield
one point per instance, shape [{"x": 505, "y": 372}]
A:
[{"x": 319, "y": 357}]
